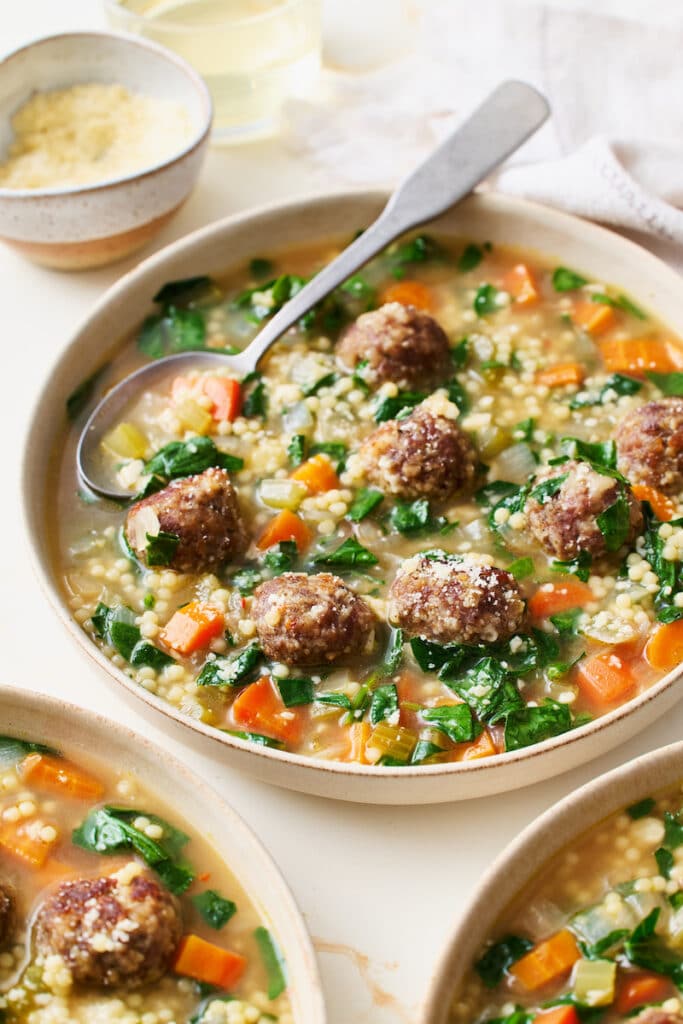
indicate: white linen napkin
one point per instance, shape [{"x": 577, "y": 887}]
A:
[{"x": 612, "y": 152}]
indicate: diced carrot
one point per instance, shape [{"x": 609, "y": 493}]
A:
[
  {"x": 639, "y": 989},
  {"x": 662, "y": 505},
  {"x": 260, "y": 709},
  {"x": 481, "y": 747},
  {"x": 196, "y": 958},
  {"x": 318, "y": 474},
  {"x": 410, "y": 293},
  {"x": 664, "y": 649},
  {"x": 19, "y": 840},
  {"x": 519, "y": 282},
  {"x": 226, "y": 396},
  {"x": 552, "y": 598},
  {"x": 359, "y": 734},
  {"x": 565, "y": 1014},
  {"x": 60, "y": 776},
  {"x": 285, "y": 526},
  {"x": 594, "y": 317},
  {"x": 561, "y": 375},
  {"x": 605, "y": 678},
  {"x": 638, "y": 355},
  {"x": 547, "y": 961},
  {"x": 192, "y": 627}
]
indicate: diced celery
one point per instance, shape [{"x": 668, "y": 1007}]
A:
[
  {"x": 193, "y": 417},
  {"x": 597, "y": 922},
  {"x": 126, "y": 441},
  {"x": 492, "y": 441},
  {"x": 675, "y": 928},
  {"x": 593, "y": 982},
  {"x": 643, "y": 903},
  {"x": 393, "y": 740},
  {"x": 282, "y": 493}
]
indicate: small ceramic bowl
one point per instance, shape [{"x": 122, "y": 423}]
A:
[
  {"x": 90, "y": 225},
  {"x": 526, "y": 856},
  {"x": 46, "y": 720}
]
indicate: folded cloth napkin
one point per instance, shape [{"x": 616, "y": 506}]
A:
[{"x": 612, "y": 152}]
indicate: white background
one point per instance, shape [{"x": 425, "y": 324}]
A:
[{"x": 378, "y": 883}]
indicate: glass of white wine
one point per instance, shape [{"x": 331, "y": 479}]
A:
[{"x": 253, "y": 54}]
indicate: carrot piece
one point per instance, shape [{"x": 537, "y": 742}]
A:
[
  {"x": 662, "y": 505},
  {"x": 519, "y": 282},
  {"x": 285, "y": 526},
  {"x": 410, "y": 293},
  {"x": 552, "y": 598},
  {"x": 226, "y": 396},
  {"x": 318, "y": 474},
  {"x": 605, "y": 678},
  {"x": 260, "y": 708},
  {"x": 558, "y": 1015},
  {"x": 561, "y": 375},
  {"x": 60, "y": 776},
  {"x": 359, "y": 734},
  {"x": 639, "y": 989},
  {"x": 481, "y": 747},
  {"x": 594, "y": 317},
  {"x": 547, "y": 961},
  {"x": 196, "y": 958},
  {"x": 18, "y": 840},
  {"x": 637, "y": 355},
  {"x": 664, "y": 649},
  {"x": 193, "y": 627}
]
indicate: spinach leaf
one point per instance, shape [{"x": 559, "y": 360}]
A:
[
  {"x": 565, "y": 280},
  {"x": 641, "y": 809},
  {"x": 116, "y": 626},
  {"x": 366, "y": 501},
  {"x": 335, "y": 451},
  {"x": 255, "y": 737},
  {"x": 528, "y": 725},
  {"x": 349, "y": 553},
  {"x": 420, "y": 249},
  {"x": 488, "y": 689},
  {"x": 423, "y": 751},
  {"x": 397, "y": 406},
  {"x": 602, "y": 455},
  {"x": 255, "y": 400},
  {"x": 470, "y": 258},
  {"x": 174, "y": 330},
  {"x": 567, "y": 622},
  {"x": 261, "y": 268},
  {"x": 179, "y": 293},
  {"x": 668, "y": 383},
  {"x": 454, "y": 720},
  {"x": 669, "y": 574},
  {"x": 458, "y": 395},
  {"x": 615, "y": 522},
  {"x": 543, "y": 492},
  {"x": 521, "y": 568},
  {"x": 411, "y": 517},
  {"x": 13, "y": 750},
  {"x": 281, "y": 557},
  {"x": 361, "y": 290},
  {"x": 621, "y": 302},
  {"x": 460, "y": 353},
  {"x": 161, "y": 548},
  {"x": 524, "y": 430},
  {"x": 489, "y": 299},
  {"x": 185, "y": 458},
  {"x": 673, "y": 830},
  {"x": 335, "y": 699},
  {"x": 296, "y": 449},
  {"x": 579, "y": 566},
  {"x": 665, "y": 861},
  {"x": 604, "y": 945},
  {"x": 491, "y": 967},
  {"x": 393, "y": 655},
  {"x": 645, "y": 949},
  {"x": 266, "y": 299},
  {"x": 617, "y": 383},
  {"x": 273, "y": 961},
  {"x": 325, "y": 381},
  {"x": 384, "y": 703},
  {"x": 492, "y": 493},
  {"x": 214, "y": 908},
  {"x": 246, "y": 580},
  {"x": 235, "y": 670},
  {"x": 296, "y": 691}
]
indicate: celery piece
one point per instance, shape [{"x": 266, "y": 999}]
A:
[
  {"x": 596, "y": 923},
  {"x": 593, "y": 982},
  {"x": 193, "y": 417},
  {"x": 393, "y": 740},
  {"x": 126, "y": 441},
  {"x": 282, "y": 493}
]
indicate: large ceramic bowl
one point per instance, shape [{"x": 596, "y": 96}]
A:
[
  {"x": 538, "y": 844},
  {"x": 232, "y": 242},
  {"x": 90, "y": 225},
  {"x": 44, "y": 719}
]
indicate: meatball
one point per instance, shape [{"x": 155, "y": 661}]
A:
[
  {"x": 400, "y": 344},
  {"x": 311, "y": 620},
  {"x": 564, "y": 521},
  {"x": 449, "y": 599},
  {"x": 650, "y": 445},
  {"x": 117, "y": 930},
  {"x": 202, "y": 511},
  {"x": 421, "y": 456},
  {"x": 656, "y": 1015},
  {"x": 7, "y": 914}
]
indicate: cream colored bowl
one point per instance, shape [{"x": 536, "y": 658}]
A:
[
  {"x": 46, "y": 720},
  {"x": 88, "y": 226},
  {"x": 233, "y": 242},
  {"x": 537, "y": 844}
]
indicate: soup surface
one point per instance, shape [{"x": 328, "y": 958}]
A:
[
  {"x": 112, "y": 913},
  {"x": 597, "y": 936},
  {"x": 440, "y": 523}
]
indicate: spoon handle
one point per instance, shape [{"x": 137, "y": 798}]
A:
[{"x": 497, "y": 128}]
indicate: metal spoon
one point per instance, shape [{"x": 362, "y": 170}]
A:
[{"x": 495, "y": 130}]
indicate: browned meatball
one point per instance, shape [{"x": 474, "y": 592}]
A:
[
  {"x": 656, "y": 1015},
  {"x": 565, "y": 521},
  {"x": 7, "y": 914},
  {"x": 421, "y": 456},
  {"x": 650, "y": 445},
  {"x": 400, "y": 344},
  {"x": 202, "y": 511},
  {"x": 311, "y": 620},
  {"x": 450, "y": 600},
  {"x": 118, "y": 930}
]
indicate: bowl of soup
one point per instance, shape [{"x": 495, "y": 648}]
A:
[
  {"x": 432, "y": 548},
  {"x": 579, "y": 919},
  {"x": 117, "y": 905}
]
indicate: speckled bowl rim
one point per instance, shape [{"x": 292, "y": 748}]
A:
[
  {"x": 94, "y": 724},
  {"x": 552, "y": 831},
  {"x": 197, "y": 140},
  {"x": 317, "y": 766}
]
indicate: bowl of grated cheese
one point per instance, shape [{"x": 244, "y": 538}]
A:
[{"x": 102, "y": 137}]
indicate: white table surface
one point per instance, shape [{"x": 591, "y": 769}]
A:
[{"x": 380, "y": 888}]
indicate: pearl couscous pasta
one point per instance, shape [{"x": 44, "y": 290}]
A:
[
  {"x": 443, "y": 521},
  {"x": 597, "y": 936},
  {"x": 111, "y": 913}
]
